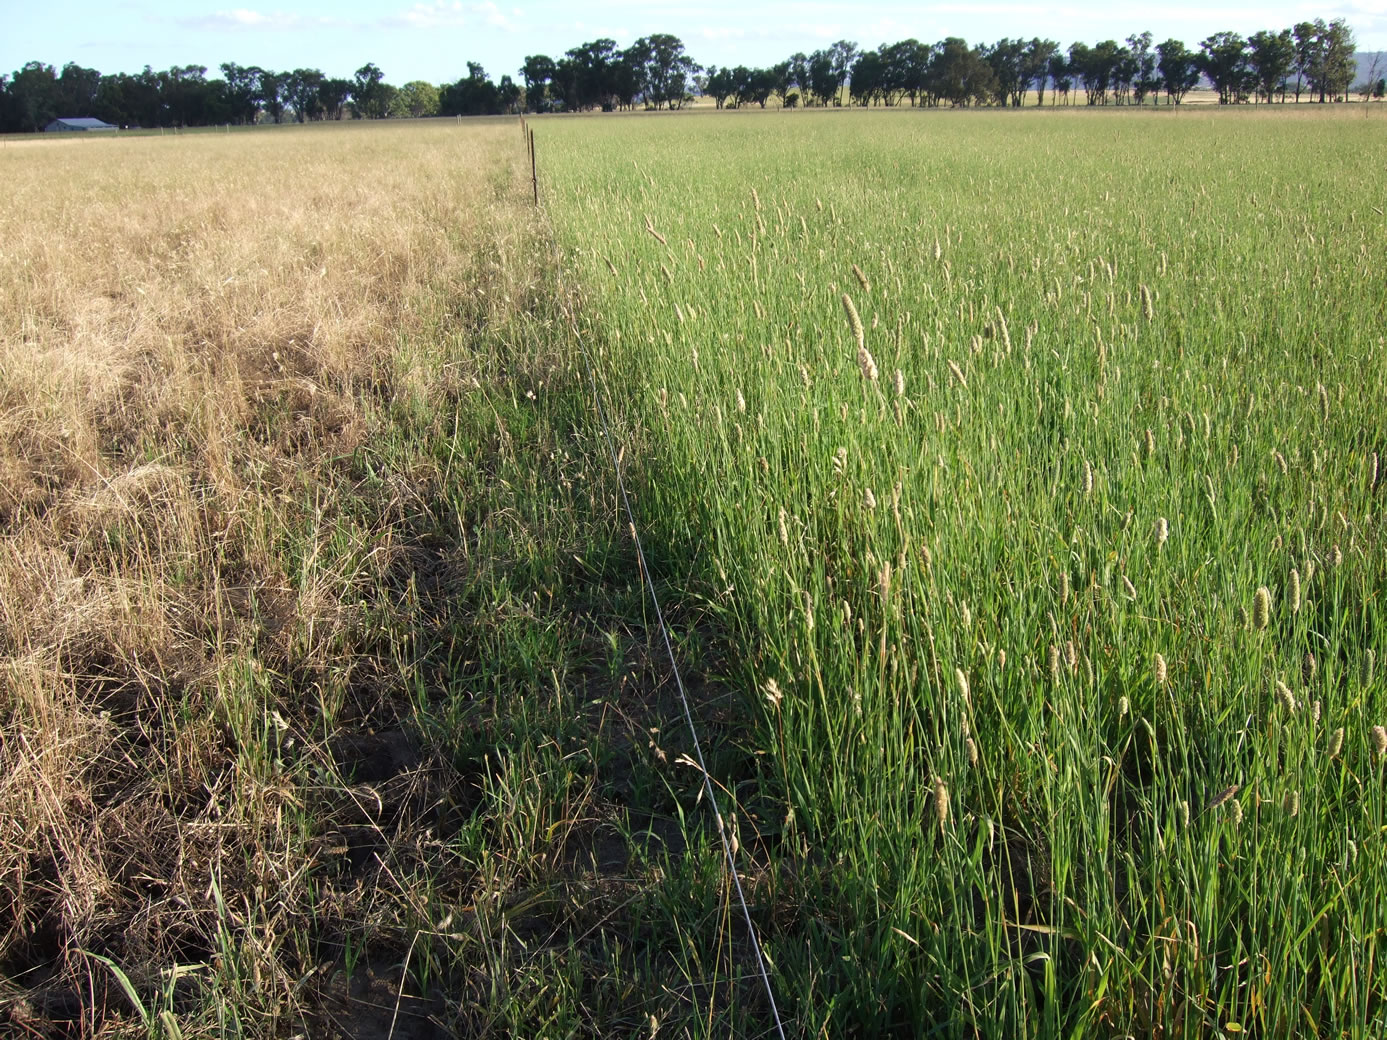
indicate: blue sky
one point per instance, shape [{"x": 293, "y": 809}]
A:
[{"x": 434, "y": 39}]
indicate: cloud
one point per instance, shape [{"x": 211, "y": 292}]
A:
[
  {"x": 244, "y": 18},
  {"x": 444, "y": 14}
]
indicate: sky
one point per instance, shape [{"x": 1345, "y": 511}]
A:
[{"x": 434, "y": 39}]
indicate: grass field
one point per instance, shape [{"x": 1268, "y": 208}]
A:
[
  {"x": 1009, "y": 481},
  {"x": 1027, "y": 472}
]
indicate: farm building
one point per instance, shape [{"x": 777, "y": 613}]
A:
[{"x": 81, "y": 123}]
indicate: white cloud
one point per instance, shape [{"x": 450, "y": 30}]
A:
[{"x": 247, "y": 18}]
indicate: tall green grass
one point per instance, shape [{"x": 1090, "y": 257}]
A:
[{"x": 1026, "y": 760}]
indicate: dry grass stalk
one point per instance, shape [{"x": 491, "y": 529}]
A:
[{"x": 182, "y": 379}]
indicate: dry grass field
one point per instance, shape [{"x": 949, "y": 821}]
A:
[{"x": 227, "y": 363}]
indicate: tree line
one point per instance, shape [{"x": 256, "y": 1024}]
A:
[
  {"x": 36, "y": 94},
  {"x": 1312, "y": 59}
]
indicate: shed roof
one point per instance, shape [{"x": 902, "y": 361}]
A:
[{"x": 79, "y": 123}]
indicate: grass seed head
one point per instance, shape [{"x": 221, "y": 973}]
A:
[
  {"x": 1380, "y": 740},
  {"x": 963, "y": 689},
  {"x": 1336, "y": 742},
  {"x": 1369, "y": 660},
  {"x": 861, "y": 279},
  {"x": 1291, "y": 803},
  {"x": 1261, "y": 608},
  {"x": 900, "y": 383},
  {"x": 774, "y": 694},
  {"x": 1159, "y": 670},
  {"x": 1285, "y": 697},
  {"x": 1162, "y": 531},
  {"x": 854, "y": 322},
  {"x": 971, "y": 747},
  {"x": 866, "y": 364},
  {"x": 869, "y": 500},
  {"x": 1293, "y": 592},
  {"x": 941, "y": 802},
  {"x": 1088, "y": 477}
]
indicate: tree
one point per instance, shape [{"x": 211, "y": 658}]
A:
[
  {"x": 537, "y": 72},
  {"x": 584, "y": 76},
  {"x": 1223, "y": 59},
  {"x": 77, "y": 88},
  {"x": 1308, "y": 60},
  {"x": 1061, "y": 72},
  {"x": 473, "y": 95},
  {"x": 781, "y": 83},
  {"x": 1179, "y": 69},
  {"x": 1324, "y": 57},
  {"x": 828, "y": 71},
  {"x": 242, "y": 90},
  {"x": 332, "y": 97},
  {"x": 867, "y": 78},
  {"x": 906, "y": 65},
  {"x": 417, "y": 99},
  {"x": 1145, "y": 81},
  {"x": 720, "y": 85},
  {"x": 799, "y": 72},
  {"x": 664, "y": 69},
  {"x": 1096, "y": 68},
  {"x": 1339, "y": 47},
  {"x": 1007, "y": 59},
  {"x": 959, "y": 74},
  {"x": 34, "y": 96},
  {"x": 1036, "y": 65},
  {"x": 1270, "y": 57},
  {"x": 271, "y": 94},
  {"x": 368, "y": 92},
  {"x": 1370, "y": 75},
  {"x": 301, "y": 91}
]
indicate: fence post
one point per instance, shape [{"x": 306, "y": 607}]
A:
[{"x": 534, "y": 170}]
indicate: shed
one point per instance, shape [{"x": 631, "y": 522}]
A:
[{"x": 79, "y": 123}]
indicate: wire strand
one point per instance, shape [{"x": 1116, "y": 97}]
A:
[{"x": 649, "y": 583}]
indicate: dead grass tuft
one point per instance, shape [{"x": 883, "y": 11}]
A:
[{"x": 201, "y": 586}]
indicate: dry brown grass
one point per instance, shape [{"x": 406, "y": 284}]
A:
[{"x": 198, "y": 695}]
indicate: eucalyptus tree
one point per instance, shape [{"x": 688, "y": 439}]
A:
[
  {"x": 1007, "y": 59},
  {"x": 1178, "y": 67},
  {"x": 1145, "y": 81},
  {"x": 1061, "y": 73},
  {"x": 1223, "y": 59},
  {"x": 1036, "y": 66},
  {"x": 538, "y": 72},
  {"x": 1271, "y": 56}
]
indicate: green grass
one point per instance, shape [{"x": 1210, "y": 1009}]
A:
[{"x": 1033, "y": 850}]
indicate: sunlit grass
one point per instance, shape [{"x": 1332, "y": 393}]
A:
[{"x": 1035, "y": 762}]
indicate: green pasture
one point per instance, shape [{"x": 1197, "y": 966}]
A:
[{"x": 963, "y": 445}]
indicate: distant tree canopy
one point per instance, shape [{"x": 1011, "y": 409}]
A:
[{"x": 1314, "y": 58}]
